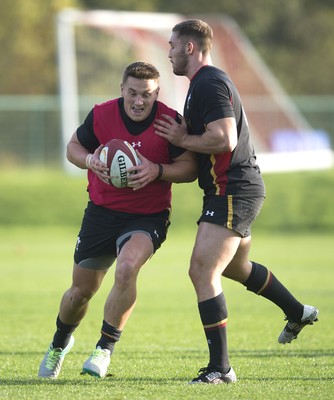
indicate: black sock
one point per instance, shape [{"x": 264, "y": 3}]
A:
[
  {"x": 63, "y": 334},
  {"x": 262, "y": 282},
  {"x": 109, "y": 336},
  {"x": 213, "y": 314}
]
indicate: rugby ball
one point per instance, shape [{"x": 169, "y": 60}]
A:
[{"x": 119, "y": 155}]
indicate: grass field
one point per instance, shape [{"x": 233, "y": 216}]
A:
[{"x": 163, "y": 345}]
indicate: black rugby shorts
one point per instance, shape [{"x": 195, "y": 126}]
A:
[
  {"x": 103, "y": 230},
  {"x": 233, "y": 212}
]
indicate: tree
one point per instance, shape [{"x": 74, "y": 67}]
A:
[
  {"x": 296, "y": 41},
  {"x": 28, "y": 44},
  {"x": 295, "y": 38},
  {"x": 128, "y": 5}
]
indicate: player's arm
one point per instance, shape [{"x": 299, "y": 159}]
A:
[
  {"x": 78, "y": 155},
  {"x": 220, "y": 136},
  {"x": 182, "y": 169}
]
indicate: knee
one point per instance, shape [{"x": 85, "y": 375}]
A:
[
  {"x": 81, "y": 296},
  {"x": 194, "y": 276},
  {"x": 197, "y": 270},
  {"x": 126, "y": 272}
]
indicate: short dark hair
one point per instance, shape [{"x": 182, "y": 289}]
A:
[
  {"x": 141, "y": 70},
  {"x": 198, "y": 30}
]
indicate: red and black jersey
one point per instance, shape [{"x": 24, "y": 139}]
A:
[
  {"x": 212, "y": 96},
  {"x": 109, "y": 121}
]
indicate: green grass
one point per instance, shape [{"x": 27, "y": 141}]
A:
[
  {"x": 163, "y": 345},
  {"x": 295, "y": 201}
]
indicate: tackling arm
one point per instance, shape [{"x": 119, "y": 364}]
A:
[{"x": 220, "y": 136}]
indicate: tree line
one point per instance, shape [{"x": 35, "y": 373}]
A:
[{"x": 294, "y": 37}]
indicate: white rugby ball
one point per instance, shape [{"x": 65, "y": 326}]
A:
[{"x": 119, "y": 155}]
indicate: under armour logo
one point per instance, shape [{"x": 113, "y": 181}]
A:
[
  {"x": 78, "y": 243},
  {"x": 210, "y": 213},
  {"x": 136, "y": 144}
]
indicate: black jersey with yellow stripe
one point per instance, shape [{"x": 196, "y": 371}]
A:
[{"x": 212, "y": 96}]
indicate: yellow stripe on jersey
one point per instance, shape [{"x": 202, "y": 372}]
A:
[
  {"x": 229, "y": 211},
  {"x": 212, "y": 172}
]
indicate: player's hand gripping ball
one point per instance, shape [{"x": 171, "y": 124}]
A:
[{"x": 119, "y": 155}]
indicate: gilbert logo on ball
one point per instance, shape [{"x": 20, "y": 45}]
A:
[
  {"x": 122, "y": 170},
  {"x": 119, "y": 155}
]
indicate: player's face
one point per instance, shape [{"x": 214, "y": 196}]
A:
[
  {"x": 139, "y": 96},
  {"x": 178, "y": 56}
]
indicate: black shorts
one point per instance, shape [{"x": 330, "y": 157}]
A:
[
  {"x": 104, "y": 231},
  {"x": 233, "y": 212}
]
